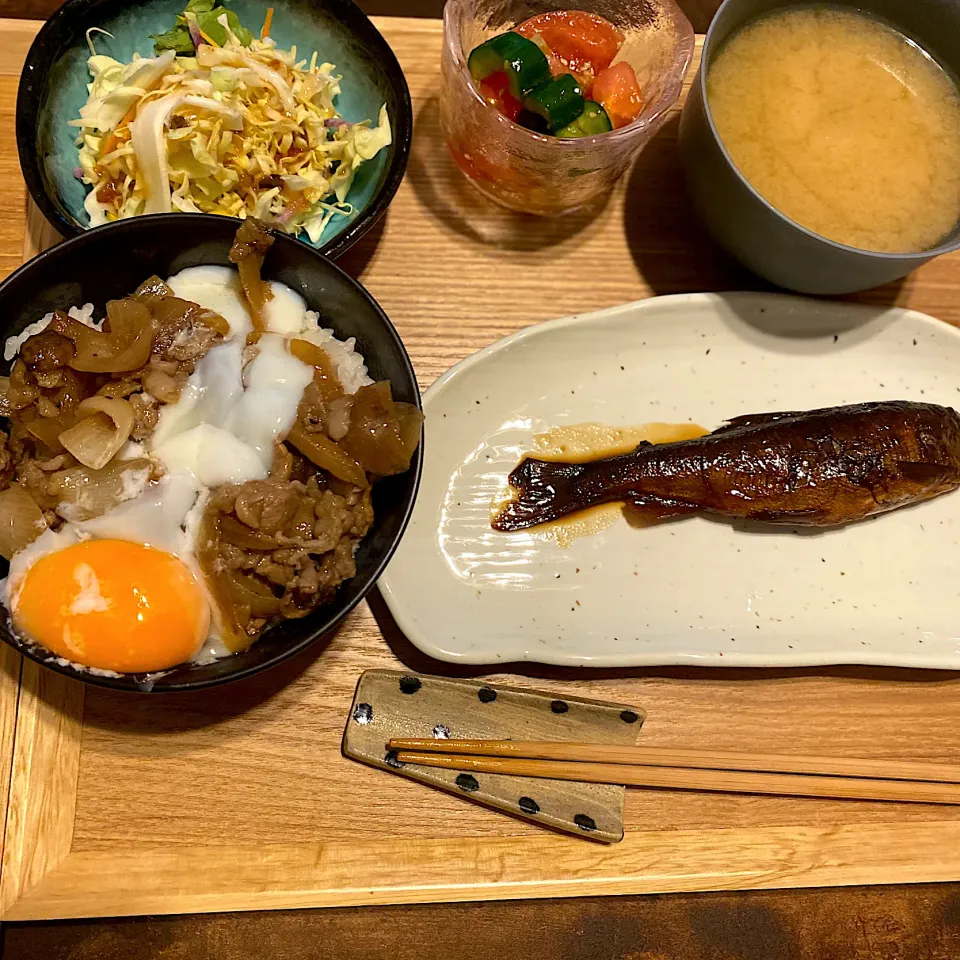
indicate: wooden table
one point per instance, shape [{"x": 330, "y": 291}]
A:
[{"x": 664, "y": 252}]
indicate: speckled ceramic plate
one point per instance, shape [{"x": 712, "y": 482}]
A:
[{"x": 695, "y": 591}]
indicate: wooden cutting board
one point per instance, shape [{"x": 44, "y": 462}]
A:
[{"x": 238, "y": 797}]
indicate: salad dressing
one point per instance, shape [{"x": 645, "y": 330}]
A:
[{"x": 221, "y": 122}]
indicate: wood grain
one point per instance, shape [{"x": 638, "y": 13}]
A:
[
  {"x": 12, "y": 50},
  {"x": 11, "y": 664},
  {"x": 699, "y": 12},
  {"x": 12, "y": 210},
  {"x": 125, "y": 881},
  {"x": 852, "y": 923},
  {"x": 39, "y": 830},
  {"x": 392, "y": 703},
  {"x": 38, "y": 234},
  {"x": 17, "y": 37},
  {"x": 233, "y": 791}
]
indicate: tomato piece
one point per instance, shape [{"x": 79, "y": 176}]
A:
[
  {"x": 557, "y": 66},
  {"x": 495, "y": 89},
  {"x": 618, "y": 90},
  {"x": 582, "y": 42},
  {"x": 477, "y": 165}
]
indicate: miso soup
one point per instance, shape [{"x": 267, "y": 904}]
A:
[{"x": 843, "y": 124}]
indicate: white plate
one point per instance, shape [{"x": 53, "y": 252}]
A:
[{"x": 695, "y": 591}]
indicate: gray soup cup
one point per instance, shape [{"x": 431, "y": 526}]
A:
[{"x": 756, "y": 233}]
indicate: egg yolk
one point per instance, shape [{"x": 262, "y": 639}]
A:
[{"x": 113, "y": 605}]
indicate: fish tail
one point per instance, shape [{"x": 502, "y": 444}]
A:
[{"x": 543, "y": 491}]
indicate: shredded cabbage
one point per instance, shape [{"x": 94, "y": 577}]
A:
[{"x": 241, "y": 129}]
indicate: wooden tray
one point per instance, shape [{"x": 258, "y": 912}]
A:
[{"x": 238, "y": 797}]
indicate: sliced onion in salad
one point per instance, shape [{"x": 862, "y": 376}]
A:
[
  {"x": 221, "y": 123},
  {"x": 150, "y": 145}
]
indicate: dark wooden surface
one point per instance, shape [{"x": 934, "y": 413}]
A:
[
  {"x": 876, "y": 923},
  {"x": 699, "y": 11},
  {"x": 870, "y": 923}
]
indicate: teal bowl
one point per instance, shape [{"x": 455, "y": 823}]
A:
[{"x": 53, "y": 87}]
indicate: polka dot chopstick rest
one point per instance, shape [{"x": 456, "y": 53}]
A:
[{"x": 390, "y": 704}]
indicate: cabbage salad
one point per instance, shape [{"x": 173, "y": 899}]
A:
[{"x": 220, "y": 122}]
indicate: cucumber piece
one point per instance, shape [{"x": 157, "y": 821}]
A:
[
  {"x": 592, "y": 121},
  {"x": 519, "y": 58},
  {"x": 558, "y": 101}
]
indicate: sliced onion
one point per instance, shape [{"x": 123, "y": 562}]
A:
[
  {"x": 116, "y": 351},
  {"x": 326, "y": 379},
  {"x": 48, "y": 429},
  {"x": 105, "y": 113},
  {"x": 208, "y": 56},
  {"x": 147, "y": 135},
  {"x": 82, "y": 494},
  {"x": 256, "y": 291},
  {"x": 383, "y": 433},
  {"x": 104, "y": 427},
  {"x": 153, "y": 286},
  {"x": 247, "y": 591},
  {"x": 250, "y": 246},
  {"x": 21, "y": 520},
  {"x": 218, "y": 583},
  {"x": 322, "y": 451}
]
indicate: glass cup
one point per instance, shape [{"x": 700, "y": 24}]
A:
[{"x": 540, "y": 174}]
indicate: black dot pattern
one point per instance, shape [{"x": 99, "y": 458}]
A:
[
  {"x": 468, "y": 782},
  {"x": 628, "y": 716},
  {"x": 363, "y": 713}
]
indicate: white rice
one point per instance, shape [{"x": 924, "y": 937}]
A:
[
  {"x": 351, "y": 369},
  {"x": 84, "y": 314},
  {"x": 352, "y": 372}
]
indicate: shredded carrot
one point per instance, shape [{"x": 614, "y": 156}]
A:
[
  {"x": 267, "y": 21},
  {"x": 112, "y": 141}
]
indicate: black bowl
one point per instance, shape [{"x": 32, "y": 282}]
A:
[
  {"x": 110, "y": 262},
  {"x": 53, "y": 88}
]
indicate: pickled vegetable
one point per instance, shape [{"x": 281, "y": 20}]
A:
[
  {"x": 519, "y": 59},
  {"x": 618, "y": 89},
  {"x": 590, "y": 123}
]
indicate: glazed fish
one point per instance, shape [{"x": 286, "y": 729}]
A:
[{"x": 817, "y": 468}]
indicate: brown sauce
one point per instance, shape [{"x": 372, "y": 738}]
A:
[{"x": 582, "y": 442}]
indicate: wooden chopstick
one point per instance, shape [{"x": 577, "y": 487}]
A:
[
  {"x": 697, "y": 759},
  {"x": 685, "y": 778}
]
